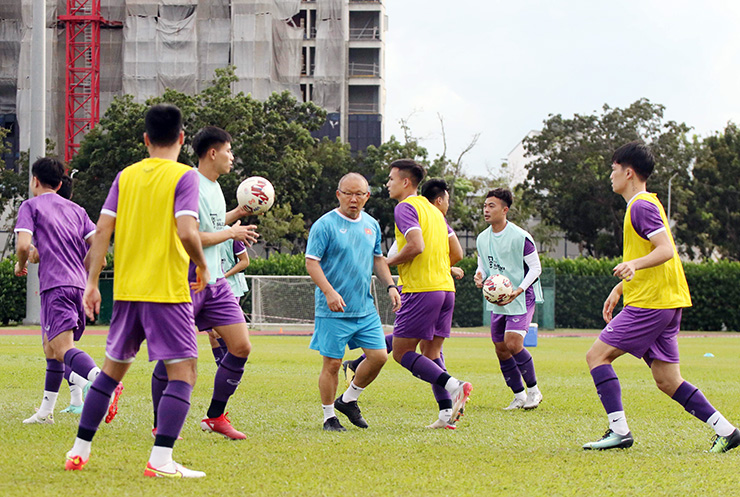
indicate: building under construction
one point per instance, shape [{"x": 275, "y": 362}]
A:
[{"x": 328, "y": 51}]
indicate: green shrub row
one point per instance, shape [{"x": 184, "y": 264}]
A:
[{"x": 12, "y": 293}]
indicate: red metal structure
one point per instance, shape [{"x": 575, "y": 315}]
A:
[{"x": 82, "y": 82}]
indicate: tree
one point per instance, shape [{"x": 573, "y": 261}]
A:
[
  {"x": 568, "y": 177},
  {"x": 710, "y": 218}
]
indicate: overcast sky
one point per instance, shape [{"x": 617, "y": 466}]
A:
[{"x": 498, "y": 68}]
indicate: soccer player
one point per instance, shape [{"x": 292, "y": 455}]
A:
[
  {"x": 343, "y": 247},
  {"x": 655, "y": 291},
  {"x": 153, "y": 207},
  {"x": 216, "y": 308},
  {"x": 61, "y": 231},
  {"x": 437, "y": 192},
  {"x": 423, "y": 262},
  {"x": 505, "y": 248}
]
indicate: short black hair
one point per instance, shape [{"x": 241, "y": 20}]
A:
[
  {"x": 411, "y": 169},
  {"x": 502, "y": 194},
  {"x": 636, "y": 155},
  {"x": 208, "y": 138},
  {"x": 163, "y": 124},
  {"x": 49, "y": 171},
  {"x": 434, "y": 188},
  {"x": 66, "y": 189}
]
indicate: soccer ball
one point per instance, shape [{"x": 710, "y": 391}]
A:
[
  {"x": 255, "y": 194},
  {"x": 496, "y": 288}
]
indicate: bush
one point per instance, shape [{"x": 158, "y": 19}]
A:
[
  {"x": 12, "y": 293},
  {"x": 278, "y": 264}
]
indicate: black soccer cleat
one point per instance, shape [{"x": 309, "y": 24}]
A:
[
  {"x": 333, "y": 424},
  {"x": 352, "y": 411}
]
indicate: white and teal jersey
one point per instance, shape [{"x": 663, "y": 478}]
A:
[
  {"x": 230, "y": 250},
  {"x": 212, "y": 217},
  {"x": 346, "y": 250}
]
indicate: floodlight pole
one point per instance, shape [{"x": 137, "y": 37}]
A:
[{"x": 38, "y": 138}]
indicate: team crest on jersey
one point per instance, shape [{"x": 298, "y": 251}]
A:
[
  {"x": 368, "y": 231},
  {"x": 342, "y": 230}
]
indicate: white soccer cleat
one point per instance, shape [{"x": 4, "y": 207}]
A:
[
  {"x": 517, "y": 403},
  {"x": 172, "y": 470},
  {"x": 533, "y": 400},
  {"x": 42, "y": 420},
  {"x": 459, "y": 398},
  {"x": 439, "y": 424}
]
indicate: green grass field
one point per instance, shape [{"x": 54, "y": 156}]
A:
[{"x": 493, "y": 452}]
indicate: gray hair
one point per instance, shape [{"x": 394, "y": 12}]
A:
[{"x": 352, "y": 175}]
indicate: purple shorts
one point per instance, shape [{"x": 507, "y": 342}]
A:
[
  {"x": 62, "y": 310},
  {"x": 647, "y": 334},
  {"x": 169, "y": 331},
  {"x": 216, "y": 306},
  {"x": 515, "y": 323},
  {"x": 425, "y": 315}
]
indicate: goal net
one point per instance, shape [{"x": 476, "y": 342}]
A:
[{"x": 287, "y": 302}]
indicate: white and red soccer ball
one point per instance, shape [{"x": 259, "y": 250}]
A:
[
  {"x": 496, "y": 288},
  {"x": 255, "y": 194}
]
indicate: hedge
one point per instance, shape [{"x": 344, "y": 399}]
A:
[{"x": 12, "y": 293}]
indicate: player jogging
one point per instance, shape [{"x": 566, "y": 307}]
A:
[
  {"x": 655, "y": 291},
  {"x": 423, "y": 262},
  {"x": 153, "y": 207},
  {"x": 505, "y": 248},
  {"x": 343, "y": 247},
  {"x": 216, "y": 308},
  {"x": 61, "y": 231}
]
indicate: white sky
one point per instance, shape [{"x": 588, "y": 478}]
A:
[{"x": 498, "y": 68}]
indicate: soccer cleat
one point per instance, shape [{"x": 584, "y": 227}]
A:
[
  {"x": 611, "y": 440},
  {"x": 517, "y": 403},
  {"x": 86, "y": 389},
  {"x": 533, "y": 400},
  {"x": 172, "y": 470},
  {"x": 459, "y": 397},
  {"x": 113, "y": 407},
  {"x": 221, "y": 425},
  {"x": 75, "y": 463},
  {"x": 723, "y": 444},
  {"x": 439, "y": 424},
  {"x": 352, "y": 411},
  {"x": 349, "y": 373},
  {"x": 333, "y": 424},
  {"x": 154, "y": 434},
  {"x": 41, "y": 420},
  {"x": 73, "y": 409}
]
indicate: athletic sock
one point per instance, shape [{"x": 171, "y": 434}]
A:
[
  {"x": 47, "y": 403},
  {"x": 77, "y": 379},
  {"x": 81, "y": 448},
  {"x": 452, "y": 384},
  {"x": 328, "y": 411},
  {"x": 75, "y": 394},
  {"x": 618, "y": 423},
  {"x": 526, "y": 367},
  {"x": 352, "y": 393},
  {"x": 52, "y": 383},
  {"x": 512, "y": 376},
  {"x": 173, "y": 409},
  {"x": 445, "y": 415},
  {"x": 424, "y": 368},
  {"x": 720, "y": 425},
  {"x": 81, "y": 363},
  {"x": 693, "y": 401},
  {"x": 608, "y": 387},
  {"x": 160, "y": 456},
  {"x": 442, "y": 396},
  {"x": 159, "y": 383},
  {"x": 353, "y": 365},
  {"x": 228, "y": 377},
  {"x": 96, "y": 406}
]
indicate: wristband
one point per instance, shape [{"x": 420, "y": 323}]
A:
[{"x": 388, "y": 290}]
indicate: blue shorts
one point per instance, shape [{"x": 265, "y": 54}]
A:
[{"x": 331, "y": 335}]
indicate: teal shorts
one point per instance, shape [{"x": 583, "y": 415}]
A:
[{"x": 331, "y": 335}]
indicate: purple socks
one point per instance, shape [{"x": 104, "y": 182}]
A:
[
  {"x": 79, "y": 362},
  {"x": 424, "y": 368},
  {"x": 228, "y": 377},
  {"x": 173, "y": 409},
  {"x": 442, "y": 396},
  {"x": 159, "y": 384},
  {"x": 693, "y": 401},
  {"x": 512, "y": 376},
  {"x": 96, "y": 405},
  {"x": 526, "y": 367},
  {"x": 608, "y": 388},
  {"x": 54, "y": 375}
]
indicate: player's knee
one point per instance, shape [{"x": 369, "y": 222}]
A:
[{"x": 242, "y": 349}]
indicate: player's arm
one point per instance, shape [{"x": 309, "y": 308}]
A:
[
  {"x": 414, "y": 246},
  {"x": 333, "y": 299},
  {"x": 480, "y": 273},
  {"x": 33, "y": 256},
  {"x": 238, "y": 213},
  {"x": 22, "y": 252},
  {"x": 661, "y": 253},
  {"x": 240, "y": 266},
  {"x": 187, "y": 231},
  {"x": 534, "y": 270},
  {"x": 94, "y": 262},
  {"x": 384, "y": 273},
  {"x": 611, "y": 302},
  {"x": 245, "y": 234},
  {"x": 456, "y": 250}
]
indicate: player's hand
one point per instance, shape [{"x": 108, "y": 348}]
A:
[
  {"x": 478, "y": 279},
  {"x": 246, "y": 211},
  {"x": 457, "y": 272},
  {"x": 245, "y": 234},
  {"x": 335, "y": 301},
  {"x": 21, "y": 271},
  {"x": 609, "y": 304},
  {"x": 395, "y": 298},
  {"x": 511, "y": 297},
  {"x": 201, "y": 279},
  {"x": 33, "y": 255},
  {"x": 91, "y": 301},
  {"x": 625, "y": 270}
]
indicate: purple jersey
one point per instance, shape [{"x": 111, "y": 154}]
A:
[
  {"x": 60, "y": 229},
  {"x": 646, "y": 219},
  {"x": 186, "y": 196},
  {"x": 406, "y": 218}
]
